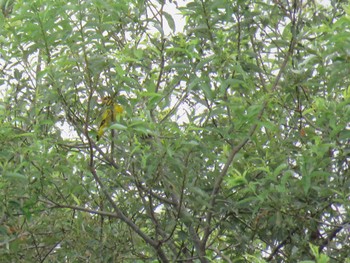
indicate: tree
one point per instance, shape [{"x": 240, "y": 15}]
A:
[{"x": 233, "y": 145}]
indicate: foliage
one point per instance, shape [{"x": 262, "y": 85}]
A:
[{"x": 233, "y": 145}]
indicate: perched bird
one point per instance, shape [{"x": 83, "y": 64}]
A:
[{"x": 111, "y": 112}]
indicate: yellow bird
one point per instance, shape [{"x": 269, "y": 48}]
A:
[{"x": 112, "y": 111}]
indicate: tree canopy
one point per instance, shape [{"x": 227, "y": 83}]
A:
[{"x": 233, "y": 144}]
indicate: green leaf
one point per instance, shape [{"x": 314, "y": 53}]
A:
[
  {"x": 118, "y": 126},
  {"x": 170, "y": 21},
  {"x": 204, "y": 62},
  {"x": 77, "y": 201},
  {"x": 235, "y": 181},
  {"x": 306, "y": 183},
  {"x": 16, "y": 177},
  {"x": 279, "y": 169}
]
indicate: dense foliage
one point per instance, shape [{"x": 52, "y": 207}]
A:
[{"x": 234, "y": 144}]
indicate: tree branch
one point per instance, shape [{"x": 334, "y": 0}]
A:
[{"x": 236, "y": 149}]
